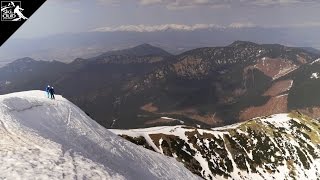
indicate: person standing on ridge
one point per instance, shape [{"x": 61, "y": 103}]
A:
[
  {"x": 47, "y": 90},
  {"x": 51, "y": 90}
]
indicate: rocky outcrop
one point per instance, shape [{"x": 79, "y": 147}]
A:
[{"x": 282, "y": 146}]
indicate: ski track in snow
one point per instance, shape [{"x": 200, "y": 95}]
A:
[
  {"x": 54, "y": 139},
  {"x": 69, "y": 116}
]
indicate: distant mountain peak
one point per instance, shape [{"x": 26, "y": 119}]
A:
[
  {"x": 146, "y": 50},
  {"x": 22, "y": 62},
  {"x": 144, "y": 45},
  {"x": 25, "y": 59},
  {"x": 242, "y": 43},
  {"x": 140, "y": 50},
  {"x": 311, "y": 50},
  {"x": 30, "y": 61}
]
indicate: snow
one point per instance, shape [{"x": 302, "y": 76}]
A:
[
  {"x": 279, "y": 120},
  {"x": 315, "y": 61},
  {"x": 203, "y": 163},
  {"x": 290, "y": 86},
  {"x": 54, "y": 139},
  {"x": 282, "y": 170},
  {"x": 160, "y": 143},
  {"x": 282, "y": 95},
  {"x": 314, "y": 76},
  {"x": 178, "y": 131},
  {"x": 224, "y": 128},
  {"x": 181, "y": 122},
  {"x": 168, "y": 118},
  {"x": 284, "y": 71}
]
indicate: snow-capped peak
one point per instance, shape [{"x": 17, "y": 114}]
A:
[
  {"x": 157, "y": 28},
  {"x": 54, "y": 139}
]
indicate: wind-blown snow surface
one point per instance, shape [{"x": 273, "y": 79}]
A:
[{"x": 53, "y": 139}]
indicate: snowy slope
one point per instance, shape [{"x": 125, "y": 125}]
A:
[
  {"x": 54, "y": 139},
  {"x": 282, "y": 146}
]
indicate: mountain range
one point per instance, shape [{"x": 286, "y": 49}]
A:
[
  {"x": 175, "y": 39},
  {"x": 230, "y": 112},
  {"x": 206, "y": 87}
]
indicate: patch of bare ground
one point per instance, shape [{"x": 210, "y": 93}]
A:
[
  {"x": 149, "y": 107},
  {"x": 158, "y": 121},
  {"x": 301, "y": 59},
  {"x": 275, "y": 68},
  {"x": 278, "y": 104},
  {"x": 211, "y": 118},
  {"x": 156, "y": 138},
  {"x": 313, "y": 112},
  {"x": 279, "y": 87}
]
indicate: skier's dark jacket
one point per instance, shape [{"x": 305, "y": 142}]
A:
[
  {"x": 48, "y": 89},
  {"x": 51, "y": 90}
]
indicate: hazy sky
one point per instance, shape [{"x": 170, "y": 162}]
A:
[{"x": 61, "y": 16}]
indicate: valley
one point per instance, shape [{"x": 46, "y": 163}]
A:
[{"x": 206, "y": 87}]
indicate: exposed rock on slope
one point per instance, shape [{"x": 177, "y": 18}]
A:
[{"x": 282, "y": 146}]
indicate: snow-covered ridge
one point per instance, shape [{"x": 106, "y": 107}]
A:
[
  {"x": 281, "y": 146},
  {"x": 315, "y": 61},
  {"x": 172, "y": 27},
  {"x": 54, "y": 139}
]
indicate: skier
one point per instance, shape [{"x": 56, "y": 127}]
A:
[
  {"x": 51, "y": 90},
  {"x": 47, "y": 90},
  {"x": 17, "y": 10}
]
